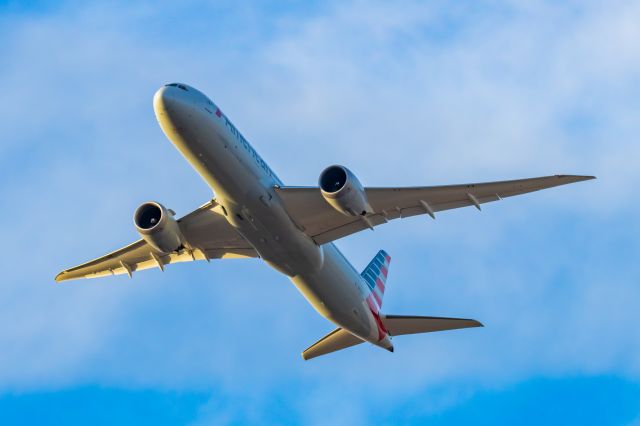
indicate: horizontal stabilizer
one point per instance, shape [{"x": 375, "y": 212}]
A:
[
  {"x": 397, "y": 325},
  {"x": 334, "y": 341}
]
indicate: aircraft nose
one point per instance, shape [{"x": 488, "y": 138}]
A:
[
  {"x": 168, "y": 99},
  {"x": 173, "y": 107}
]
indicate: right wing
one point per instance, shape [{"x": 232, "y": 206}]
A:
[{"x": 207, "y": 231}]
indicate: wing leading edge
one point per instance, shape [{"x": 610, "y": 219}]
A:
[
  {"x": 209, "y": 235},
  {"x": 320, "y": 221}
]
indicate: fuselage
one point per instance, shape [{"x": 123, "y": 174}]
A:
[{"x": 244, "y": 186}]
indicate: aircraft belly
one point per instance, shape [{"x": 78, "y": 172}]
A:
[
  {"x": 258, "y": 215},
  {"x": 244, "y": 188},
  {"x": 270, "y": 231},
  {"x": 238, "y": 188},
  {"x": 333, "y": 291}
]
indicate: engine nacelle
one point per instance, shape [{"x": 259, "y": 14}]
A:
[
  {"x": 157, "y": 227},
  {"x": 343, "y": 191}
]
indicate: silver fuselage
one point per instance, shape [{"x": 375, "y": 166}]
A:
[{"x": 244, "y": 185}]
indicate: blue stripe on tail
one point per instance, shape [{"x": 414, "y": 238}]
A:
[{"x": 375, "y": 274}]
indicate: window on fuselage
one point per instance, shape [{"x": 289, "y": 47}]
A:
[{"x": 178, "y": 85}]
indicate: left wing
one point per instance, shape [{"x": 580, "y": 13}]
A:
[
  {"x": 209, "y": 235},
  {"x": 314, "y": 216}
]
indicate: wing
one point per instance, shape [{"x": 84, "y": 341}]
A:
[
  {"x": 207, "y": 231},
  {"x": 314, "y": 216}
]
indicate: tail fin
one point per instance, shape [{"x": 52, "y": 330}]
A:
[{"x": 375, "y": 275}]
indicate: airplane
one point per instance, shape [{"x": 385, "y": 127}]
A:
[{"x": 291, "y": 228}]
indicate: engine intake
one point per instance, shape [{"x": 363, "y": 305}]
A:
[
  {"x": 343, "y": 191},
  {"x": 333, "y": 179},
  {"x": 157, "y": 226}
]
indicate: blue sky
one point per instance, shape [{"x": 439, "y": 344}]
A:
[{"x": 403, "y": 94}]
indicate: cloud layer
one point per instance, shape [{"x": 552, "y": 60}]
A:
[{"x": 418, "y": 94}]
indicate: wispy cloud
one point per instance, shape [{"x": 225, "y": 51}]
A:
[{"x": 418, "y": 94}]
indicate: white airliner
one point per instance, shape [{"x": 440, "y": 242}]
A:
[{"x": 291, "y": 228}]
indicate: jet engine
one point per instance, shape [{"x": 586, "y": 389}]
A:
[
  {"x": 157, "y": 226},
  {"x": 343, "y": 191}
]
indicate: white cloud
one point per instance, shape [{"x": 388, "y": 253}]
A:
[{"x": 403, "y": 95}]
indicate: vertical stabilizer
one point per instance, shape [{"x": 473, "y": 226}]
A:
[{"x": 375, "y": 275}]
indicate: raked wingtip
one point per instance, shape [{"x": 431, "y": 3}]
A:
[
  {"x": 588, "y": 177},
  {"x": 577, "y": 178}
]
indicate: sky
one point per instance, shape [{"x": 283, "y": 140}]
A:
[{"x": 403, "y": 93}]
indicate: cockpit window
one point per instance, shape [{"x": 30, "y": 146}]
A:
[{"x": 179, "y": 86}]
